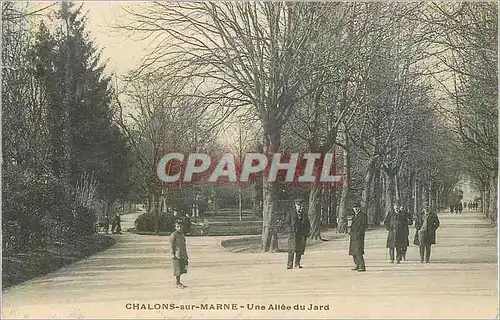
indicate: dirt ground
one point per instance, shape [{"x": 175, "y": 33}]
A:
[{"x": 133, "y": 279}]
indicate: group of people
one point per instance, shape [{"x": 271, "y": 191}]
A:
[
  {"x": 397, "y": 223},
  {"x": 471, "y": 205},
  {"x": 115, "y": 220},
  {"x": 458, "y": 207}
]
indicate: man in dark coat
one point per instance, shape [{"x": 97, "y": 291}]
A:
[
  {"x": 179, "y": 253},
  {"x": 396, "y": 222},
  {"x": 357, "y": 239},
  {"x": 299, "y": 231},
  {"x": 402, "y": 242},
  {"x": 426, "y": 226},
  {"x": 186, "y": 224},
  {"x": 391, "y": 224}
]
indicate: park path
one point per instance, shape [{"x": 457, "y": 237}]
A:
[{"x": 461, "y": 280}]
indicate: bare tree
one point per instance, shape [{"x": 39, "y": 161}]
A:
[
  {"x": 161, "y": 119},
  {"x": 248, "y": 54},
  {"x": 467, "y": 36}
]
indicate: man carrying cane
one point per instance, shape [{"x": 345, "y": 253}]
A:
[{"x": 357, "y": 237}]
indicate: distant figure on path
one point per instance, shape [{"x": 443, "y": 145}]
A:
[
  {"x": 105, "y": 223},
  {"x": 357, "y": 238},
  {"x": 425, "y": 236},
  {"x": 299, "y": 231},
  {"x": 186, "y": 225},
  {"x": 116, "y": 226},
  {"x": 179, "y": 253}
]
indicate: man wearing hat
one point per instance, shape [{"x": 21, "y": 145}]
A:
[
  {"x": 179, "y": 253},
  {"x": 299, "y": 231},
  {"x": 357, "y": 237},
  {"x": 425, "y": 236}
]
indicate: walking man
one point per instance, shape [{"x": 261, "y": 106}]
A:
[
  {"x": 299, "y": 231},
  {"x": 179, "y": 253},
  {"x": 357, "y": 238},
  {"x": 425, "y": 236},
  {"x": 402, "y": 242}
]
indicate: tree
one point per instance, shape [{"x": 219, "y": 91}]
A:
[
  {"x": 163, "y": 120},
  {"x": 250, "y": 54},
  {"x": 466, "y": 35}
]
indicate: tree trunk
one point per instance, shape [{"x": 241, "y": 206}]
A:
[
  {"x": 156, "y": 209},
  {"x": 397, "y": 188},
  {"x": 150, "y": 202},
  {"x": 493, "y": 189},
  {"x": 314, "y": 212},
  {"x": 344, "y": 196},
  {"x": 257, "y": 198},
  {"x": 240, "y": 207},
  {"x": 377, "y": 193},
  {"x": 411, "y": 195},
  {"x": 269, "y": 194},
  {"x": 332, "y": 208},
  {"x": 367, "y": 189},
  {"x": 390, "y": 189}
]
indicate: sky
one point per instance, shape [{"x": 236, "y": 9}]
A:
[
  {"x": 119, "y": 50},
  {"x": 122, "y": 52}
]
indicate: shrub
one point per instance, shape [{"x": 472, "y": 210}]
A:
[
  {"x": 146, "y": 222},
  {"x": 38, "y": 212}
]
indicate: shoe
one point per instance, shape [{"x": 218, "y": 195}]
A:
[
  {"x": 422, "y": 261},
  {"x": 361, "y": 270},
  {"x": 354, "y": 269},
  {"x": 289, "y": 268},
  {"x": 181, "y": 286},
  {"x": 392, "y": 261},
  {"x": 399, "y": 261},
  {"x": 299, "y": 266},
  {"x": 427, "y": 261}
]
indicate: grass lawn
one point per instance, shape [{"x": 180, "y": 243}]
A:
[{"x": 20, "y": 267}]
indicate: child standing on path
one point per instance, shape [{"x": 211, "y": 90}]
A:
[{"x": 179, "y": 253}]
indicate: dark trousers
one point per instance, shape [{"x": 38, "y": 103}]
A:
[
  {"x": 391, "y": 254},
  {"x": 425, "y": 249},
  {"x": 400, "y": 252},
  {"x": 291, "y": 255},
  {"x": 405, "y": 249},
  {"x": 359, "y": 261}
]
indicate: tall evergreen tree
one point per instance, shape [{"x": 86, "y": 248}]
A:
[{"x": 84, "y": 138}]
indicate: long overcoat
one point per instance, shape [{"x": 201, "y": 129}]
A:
[
  {"x": 179, "y": 252},
  {"x": 397, "y": 224},
  {"x": 405, "y": 220},
  {"x": 429, "y": 235},
  {"x": 358, "y": 229},
  {"x": 299, "y": 231}
]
